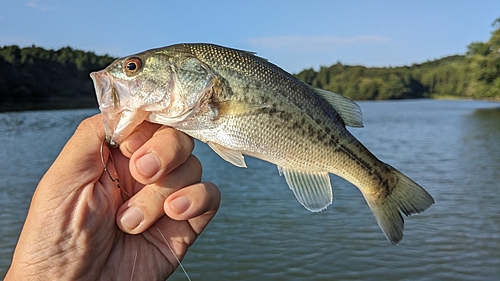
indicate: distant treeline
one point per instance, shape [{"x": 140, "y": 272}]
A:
[
  {"x": 473, "y": 75},
  {"x": 35, "y": 78}
]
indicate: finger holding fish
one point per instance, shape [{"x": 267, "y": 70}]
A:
[
  {"x": 138, "y": 138},
  {"x": 150, "y": 140},
  {"x": 162, "y": 153},
  {"x": 202, "y": 201},
  {"x": 174, "y": 190},
  {"x": 159, "y": 170},
  {"x": 146, "y": 206}
]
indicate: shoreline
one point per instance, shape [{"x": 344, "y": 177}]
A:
[
  {"x": 8, "y": 107},
  {"x": 463, "y": 98}
]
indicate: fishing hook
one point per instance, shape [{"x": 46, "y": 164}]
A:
[{"x": 117, "y": 180}]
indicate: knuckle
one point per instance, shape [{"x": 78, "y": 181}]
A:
[
  {"x": 215, "y": 196},
  {"x": 184, "y": 143},
  {"x": 195, "y": 165},
  {"x": 179, "y": 147},
  {"x": 160, "y": 192}
]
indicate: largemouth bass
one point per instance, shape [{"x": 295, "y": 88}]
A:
[{"x": 239, "y": 103}]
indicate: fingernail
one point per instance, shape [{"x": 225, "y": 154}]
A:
[
  {"x": 148, "y": 165},
  {"x": 180, "y": 204},
  {"x": 135, "y": 141},
  {"x": 132, "y": 217}
]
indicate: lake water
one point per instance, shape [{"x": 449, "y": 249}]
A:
[{"x": 261, "y": 232}]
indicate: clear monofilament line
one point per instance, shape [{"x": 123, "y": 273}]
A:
[
  {"x": 175, "y": 256},
  {"x": 133, "y": 267}
]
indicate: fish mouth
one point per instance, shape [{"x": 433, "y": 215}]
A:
[{"x": 114, "y": 98}]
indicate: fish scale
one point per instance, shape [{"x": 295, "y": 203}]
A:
[
  {"x": 250, "y": 68},
  {"x": 220, "y": 63},
  {"x": 239, "y": 103},
  {"x": 256, "y": 69}
]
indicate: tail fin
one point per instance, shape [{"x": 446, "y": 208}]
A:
[{"x": 407, "y": 197}]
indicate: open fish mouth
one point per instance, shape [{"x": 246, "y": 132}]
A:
[{"x": 113, "y": 97}]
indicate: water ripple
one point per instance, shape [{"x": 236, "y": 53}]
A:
[{"x": 262, "y": 233}]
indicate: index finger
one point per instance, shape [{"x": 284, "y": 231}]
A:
[
  {"x": 163, "y": 152},
  {"x": 82, "y": 152},
  {"x": 138, "y": 138}
]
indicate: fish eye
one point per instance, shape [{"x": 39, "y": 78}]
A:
[{"x": 132, "y": 66}]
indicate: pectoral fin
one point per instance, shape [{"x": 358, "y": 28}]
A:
[
  {"x": 232, "y": 156},
  {"x": 233, "y": 107},
  {"x": 312, "y": 190}
]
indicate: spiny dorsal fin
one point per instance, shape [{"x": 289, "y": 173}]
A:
[
  {"x": 312, "y": 189},
  {"x": 348, "y": 110}
]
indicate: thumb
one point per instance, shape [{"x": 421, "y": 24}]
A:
[{"x": 79, "y": 160}]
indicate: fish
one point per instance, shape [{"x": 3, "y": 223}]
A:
[{"x": 241, "y": 104}]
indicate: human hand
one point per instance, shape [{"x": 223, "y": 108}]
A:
[{"x": 72, "y": 230}]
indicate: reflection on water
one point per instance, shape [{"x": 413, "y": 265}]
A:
[
  {"x": 262, "y": 233},
  {"x": 480, "y": 167},
  {"x": 481, "y": 138}
]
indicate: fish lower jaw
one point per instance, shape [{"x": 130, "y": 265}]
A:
[
  {"x": 111, "y": 142},
  {"x": 119, "y": 126}
]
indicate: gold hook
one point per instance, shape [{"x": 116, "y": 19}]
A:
[{"x": 117, "y": 180}]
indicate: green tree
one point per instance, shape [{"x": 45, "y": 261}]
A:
[
  {"x": 485, "y": 64},
  {"x": 35, "y": 78}
]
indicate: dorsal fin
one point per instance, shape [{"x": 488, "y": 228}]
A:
[{"x": 348, "y": 110}]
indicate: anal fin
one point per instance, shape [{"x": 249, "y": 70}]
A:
[
  {"x": 232, "y": 156},
  {"x": 312, "y": 189}
]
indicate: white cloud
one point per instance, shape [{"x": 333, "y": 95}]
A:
[
  {"x": 35, "y": 5},
  {"x": 313, "y": 43}
]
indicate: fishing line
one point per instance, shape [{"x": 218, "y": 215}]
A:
[
  {"x": 175, "y": 256},
  {"x": 133, "y": 267},
  {"x": 117, "y": 180}
]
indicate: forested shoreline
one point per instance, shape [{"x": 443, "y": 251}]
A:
[
  {"x": 474, "y": 75},
  {"x": 33, "y": 78}
]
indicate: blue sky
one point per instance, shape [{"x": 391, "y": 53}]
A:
[{"x": 292, "y": 34}]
